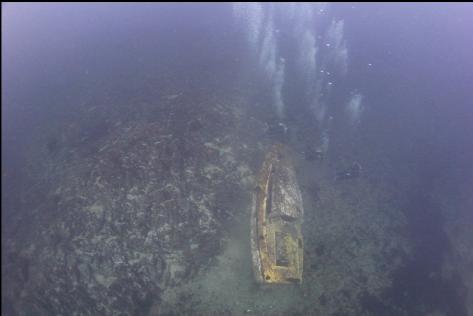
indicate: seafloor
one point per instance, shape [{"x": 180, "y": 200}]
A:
[{"x": 138, "y": 204}]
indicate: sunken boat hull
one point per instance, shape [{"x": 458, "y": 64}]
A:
[{"x": 276, "y": 237}]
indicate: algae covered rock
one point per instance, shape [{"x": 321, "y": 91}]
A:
[{"x": 140, "y": 211}]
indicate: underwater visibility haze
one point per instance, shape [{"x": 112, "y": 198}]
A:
[{"x": 183, "y": 159}]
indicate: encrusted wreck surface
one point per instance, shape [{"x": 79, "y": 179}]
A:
[{"x": 276, "y": 237}]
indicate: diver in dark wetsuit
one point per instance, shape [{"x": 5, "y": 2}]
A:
[
  {"x": 351, "y": 173},
  {"x": 278, "y": 131}
]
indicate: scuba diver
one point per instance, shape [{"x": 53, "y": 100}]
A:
[
  {"x": 351, "y": 173},
  {"x": 278, "y": 131}
]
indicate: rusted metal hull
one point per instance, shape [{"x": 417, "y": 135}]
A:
[{"x": 276, "y": 237}]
